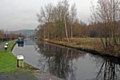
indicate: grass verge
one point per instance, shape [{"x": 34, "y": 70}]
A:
[{"x": 7, "y": 60}]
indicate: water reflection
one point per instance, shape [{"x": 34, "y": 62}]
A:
[
  {"x": 109, "y": 69},
  {"x": 29, "y": 42},
  {"x": 59, "y": 61},
  {"x": 69, "y": 64}
]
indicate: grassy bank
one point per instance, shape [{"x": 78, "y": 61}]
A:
[
  {"x": 92, "y": 45},
  {"x": 84, "y": 43},
  {"x": 7, "y": 60}
]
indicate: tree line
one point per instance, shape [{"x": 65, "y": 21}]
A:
[
  {"x": 60, "y": 22},
  {"x": 4, "y": 35}
]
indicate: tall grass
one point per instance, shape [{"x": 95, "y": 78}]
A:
[{"x": 90, "y": 43}]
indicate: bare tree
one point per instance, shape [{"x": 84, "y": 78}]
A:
[
  {"x": 56, "y": 19},
  {"x": 72, "y": 17},
  {"x": 106, "y": 15},
  {"x": 66, "y": 14},
  {"x": 45, "y": 17}
]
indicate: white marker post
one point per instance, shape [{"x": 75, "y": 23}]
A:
[
  {"x": 6, "y": 44},
  {"x": 5, "y": 47},
  {"x": 20, "y": 62}
]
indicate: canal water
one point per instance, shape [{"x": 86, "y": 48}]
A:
[{"x": 68, "y": 64}]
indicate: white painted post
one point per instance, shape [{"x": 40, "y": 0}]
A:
[
  {"x": 20, "y": 62},
  {"x": 5, "y": 47},
  {"x": 6, "y": 44}
]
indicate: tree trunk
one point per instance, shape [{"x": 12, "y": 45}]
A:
[{"x": 66, "y": 31}]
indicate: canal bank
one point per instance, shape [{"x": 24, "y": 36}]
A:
[
  {"x": 91, "y": 51},
  {"x": 10, "y": 71}
]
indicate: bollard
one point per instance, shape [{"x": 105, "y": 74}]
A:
[
  {"x": 6, "y": 44},
  {"x": 20, "y": 62},
  {"x": 5, "y": 47}
]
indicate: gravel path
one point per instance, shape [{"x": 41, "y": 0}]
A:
[
  {"x": 27, "y": 76},
  {"x": 46, "y": 76},
  {"x": 18, "y": 75},
  {"x": 2, "y": 44}
]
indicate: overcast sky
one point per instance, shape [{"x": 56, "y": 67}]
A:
[{"x": 21, "y": 14}]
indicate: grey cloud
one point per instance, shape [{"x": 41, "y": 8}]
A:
[{"x": 21, "y": 14}]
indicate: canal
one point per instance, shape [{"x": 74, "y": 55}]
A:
[{"x": 68, "y": 64}]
